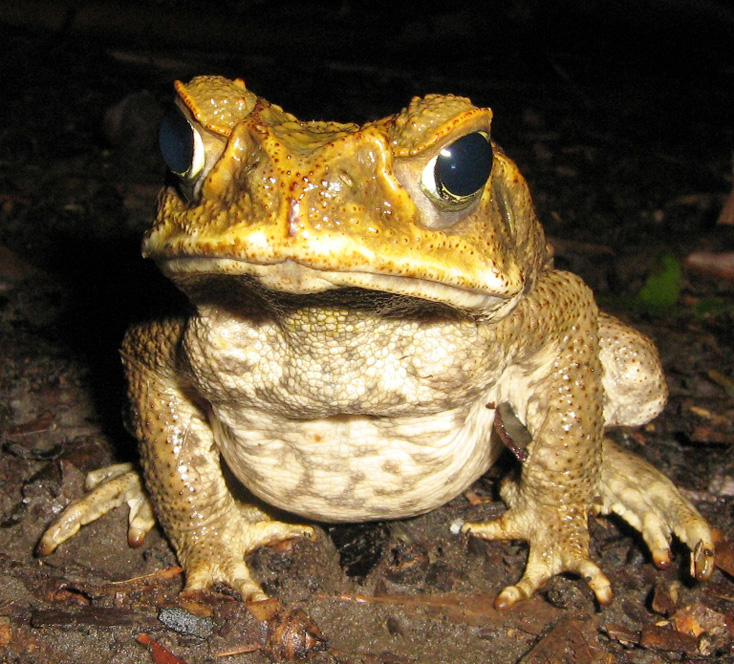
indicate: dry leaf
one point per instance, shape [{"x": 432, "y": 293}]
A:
[{"x": 159, "y": 654}]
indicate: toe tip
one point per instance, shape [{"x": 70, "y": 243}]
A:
[{"x": 703, "y": 557}]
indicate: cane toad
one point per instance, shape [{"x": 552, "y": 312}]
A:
[{"x": 364, "y": 299}]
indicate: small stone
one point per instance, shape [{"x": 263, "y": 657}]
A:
[{"x": 183, "y": 622}]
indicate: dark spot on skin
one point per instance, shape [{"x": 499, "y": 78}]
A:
[
  {"x": 451, "y": 479},
  {"x": 409, "y": 505}
]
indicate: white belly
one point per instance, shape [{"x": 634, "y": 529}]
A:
[{"x": 355, "y": 468}]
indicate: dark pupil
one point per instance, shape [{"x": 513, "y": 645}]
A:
[
  {"x": 463, "y": 167},
  {"x": 176, "y": 141}
]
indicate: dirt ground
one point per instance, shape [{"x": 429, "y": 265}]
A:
[{"x": 628, "y": 151}]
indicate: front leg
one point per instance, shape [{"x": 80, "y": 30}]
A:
[
  {"x": 557, "y": 392},
  {"x": 211, "y": 531}
]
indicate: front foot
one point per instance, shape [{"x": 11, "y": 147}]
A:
[
  {"x": 559, "y": 542},
  {"x": 650, "y": 503},
  {"x": 215, "y": 553},
  {"x": 211, "y": 553},
  {"x": 558, "y": 535}
]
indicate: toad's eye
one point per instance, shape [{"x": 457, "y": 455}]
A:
[
  {"x": 459, "y": 172},
  {"x": 181, "y": 145}
]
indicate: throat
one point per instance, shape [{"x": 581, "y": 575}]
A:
[{"x": 381, "y": 356}]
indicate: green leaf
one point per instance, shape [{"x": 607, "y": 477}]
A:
[{"x": 663, "y": 284}]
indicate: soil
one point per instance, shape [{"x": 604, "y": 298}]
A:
[{"x": 622, "y": 123}]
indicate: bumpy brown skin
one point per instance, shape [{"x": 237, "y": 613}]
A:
[
  {"x": 351, "y": 326},
  {"x": 184, "y": 473}
]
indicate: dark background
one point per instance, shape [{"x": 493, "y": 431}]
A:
[{"x": 621, "y": 117}]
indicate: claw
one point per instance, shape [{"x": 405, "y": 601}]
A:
[
  {"x": 510, "y": 596},
  {"x": 661, "y": 558},
  {"x": 597, "y": 580},
  {"x": 702, "y": 561},
  {"x": 141, "y": 520}
]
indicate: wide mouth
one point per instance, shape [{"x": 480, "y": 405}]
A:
[{"x": 295, "y": 278}]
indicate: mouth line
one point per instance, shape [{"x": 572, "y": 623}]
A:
[{"x": 293, "y": 277}]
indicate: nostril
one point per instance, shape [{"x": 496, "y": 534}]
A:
[
  {"x": 347, "y": 179},
  {"x": 336, "y": 182}
]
